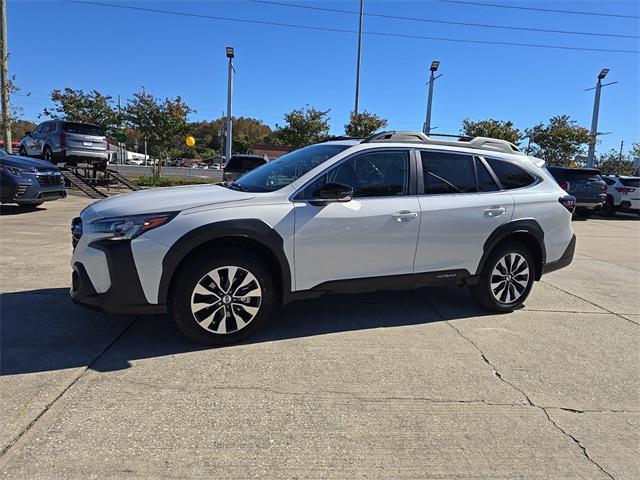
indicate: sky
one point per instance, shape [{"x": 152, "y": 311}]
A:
[{"x": 58, "y": 44}]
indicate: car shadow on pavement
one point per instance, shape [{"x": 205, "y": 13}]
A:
[
  {"x": 42, "y": 330},
  {"x": 18, "y": 209}
]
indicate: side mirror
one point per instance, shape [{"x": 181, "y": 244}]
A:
[{"x": 332, "y": 192}]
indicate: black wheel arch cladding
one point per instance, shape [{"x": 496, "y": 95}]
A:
[
  {"x": 242, "y": 229},
  {"x": 527, "y": 231}
]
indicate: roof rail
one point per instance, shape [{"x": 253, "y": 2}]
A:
[{"x": 481, "y": 143}]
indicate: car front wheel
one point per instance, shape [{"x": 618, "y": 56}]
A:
[
  {"x": 506, "y": 279},
  {"x": 224, "y": 299}
]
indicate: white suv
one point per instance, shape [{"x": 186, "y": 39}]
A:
[
  {"x": 623, "y": 194},
  {"x": 396, "y": 210}
]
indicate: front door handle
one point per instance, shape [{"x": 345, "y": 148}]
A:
[
  {"x": 404, "y": 215},
  {"x": 495, "y": 212}
]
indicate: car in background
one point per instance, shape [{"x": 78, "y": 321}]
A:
[
  {"x": 586, "y": 184},
  {"x": 238, "y": 165},
  {"x": 623, "y": 194},
  {"x": 59, "y": 141},
  {"x": 29, "y": 182}
]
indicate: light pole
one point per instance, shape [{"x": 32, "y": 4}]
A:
[
  {"x": 359, "y": 59},
  {"x": 594, "y": 119},
  {"x": 230, "y": 55},
  {"x": 146, "y": 158},
  {"x": 432, "y": 78},
  {"x": 4, "y": 78}
]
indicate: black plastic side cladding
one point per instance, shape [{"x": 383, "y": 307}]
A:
[
  {"x": 528, "y": 226},
  {"x": 253, "y": 229}
]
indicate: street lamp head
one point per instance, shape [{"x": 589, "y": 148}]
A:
[
  {"x": 230, "y": 53},
  {"x": 434, "y": 65},
  {"x": 603, "y": 73}
]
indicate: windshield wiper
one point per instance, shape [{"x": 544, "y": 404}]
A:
[{"x": 238, "y": 186}]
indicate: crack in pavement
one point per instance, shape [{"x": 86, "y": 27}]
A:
[
  {"x": 48, "y": 406},
  {"x": 530, "y": 403},
  {"x": 592, "y": 303}
]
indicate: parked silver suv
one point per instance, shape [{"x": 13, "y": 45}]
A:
[{"x": 59, "y": 141}]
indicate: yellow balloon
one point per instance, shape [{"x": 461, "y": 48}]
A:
[{"x": 190, "y": 141}]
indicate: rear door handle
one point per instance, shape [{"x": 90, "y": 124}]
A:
[
  {"x": 404, "y": 215},
  {"x": 495, "y": 212}
]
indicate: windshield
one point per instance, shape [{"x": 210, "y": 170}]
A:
[{"x": 281, "y": 172}]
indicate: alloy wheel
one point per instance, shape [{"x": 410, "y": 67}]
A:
[
  {"x": 510, "y": 278},
  {"x": 226, "y": 299}
]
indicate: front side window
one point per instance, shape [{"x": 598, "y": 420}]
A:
[
  {"x": 373, "y": 174},
  {"x": 281, "y": 172},
  {"x": 447, "y": 173},
  {"x": 511, "y": 176}
]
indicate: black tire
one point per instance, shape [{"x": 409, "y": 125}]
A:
[
  {"x": 222, "y": 315},
  {"x": 23, "y": 152},
  {"x": 499, "y": 302},
  {"x": 47, "y": 155},
  {"x": 608, "y": 209}
]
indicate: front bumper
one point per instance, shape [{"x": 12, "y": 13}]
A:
[
  {"x": 29, "y": 193},
  {"x": 125, "y": 294},
  {"x": 564, "y": 260}
]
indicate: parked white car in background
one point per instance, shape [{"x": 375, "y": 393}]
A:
[
  {"x": 394, "y": 211},
  {"x": 623, "y": 194}
]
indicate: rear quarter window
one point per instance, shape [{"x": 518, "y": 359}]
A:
[{"x": 511, "y": 176}]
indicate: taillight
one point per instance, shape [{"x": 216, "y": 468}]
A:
[
  {"x": 62, "y": 139},
  {"x": 569, "y": 202},
  {"x": 565, "y": 186},
  {"x": 625, "y": 189}
]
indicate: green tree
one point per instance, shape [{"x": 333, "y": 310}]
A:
[
  {"x": 19, "y": 128},
  {"x": 246, "y": 132},
  {"x": 304, "y": 126},
  {"x": 491, "y": 128},
  {"x": 363, "y": 124},
  {"x": 163, "y": 123},
  {"x": 558, "y": 142},
  {"x": 612, "y": 162},
  {"x": 635, "y": 150},
  {"x": 78, "y": 106}
]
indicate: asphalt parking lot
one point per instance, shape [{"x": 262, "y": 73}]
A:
[{"x": 391, "y": 385}]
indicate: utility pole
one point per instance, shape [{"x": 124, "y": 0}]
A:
[
  {"x": 230, "y": 55},
  {"x": 594, "y": 119},
  {"x": 359, "y": 60},
  {"x": 432, "y": 78},
  {"x": 621, "y": 145},
  {"x": 4, "y": 79},
  {"x": 144, "y": 93}
]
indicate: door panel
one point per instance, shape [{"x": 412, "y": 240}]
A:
[
  {"x": 362, "y": 238},
  {"x": 453, "y": 228}
]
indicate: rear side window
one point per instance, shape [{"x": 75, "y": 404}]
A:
[
  {"x": 511, "y": 176},
  {"x": 609, "y": 181},
  {"x": 448, "y": 173},
  {"x": 486, "y": 183},
  {"x": 82, "y": 129}
]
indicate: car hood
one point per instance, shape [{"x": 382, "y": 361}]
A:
[
  {"x": 166, "y": 200},
  {"x": 25, "y": 162}
]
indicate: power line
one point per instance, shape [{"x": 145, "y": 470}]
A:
[
  {"x": 341, "y": 30},
  {"x": 549, "y": 10},
  {"x": 446, "y": 22}
]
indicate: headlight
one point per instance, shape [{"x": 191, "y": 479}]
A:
[
  {"x": 126, "y": 228},
  {"x": 15, "y": 171}
]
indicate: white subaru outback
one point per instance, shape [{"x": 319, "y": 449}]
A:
[{"x": 394, "y": 211}]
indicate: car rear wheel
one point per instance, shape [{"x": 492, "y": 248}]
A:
[
  {"x": 608, "y": 209},
  {"x": 506, "y": 279},
  {"x": 223, "y": 299}
]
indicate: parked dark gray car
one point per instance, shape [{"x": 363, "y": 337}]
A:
[
  {"x": 59, "y": 141},
  {"x": 27, "y": 181},
  {"x": 238, "y": 165},
  {"x": 586, "y": 184}
]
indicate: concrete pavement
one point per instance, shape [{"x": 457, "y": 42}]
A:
[{"x": 391, "y": 385}]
